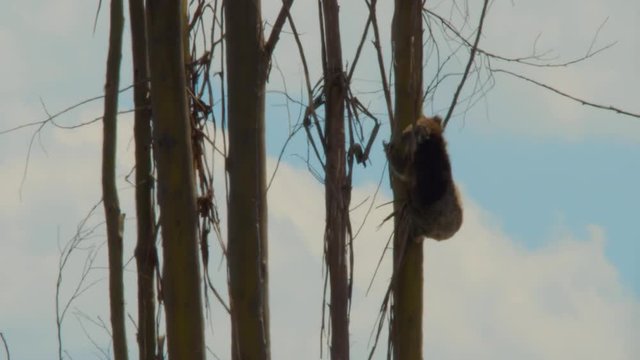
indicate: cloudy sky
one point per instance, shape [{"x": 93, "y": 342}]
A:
[{"x": 546, "y": 265}]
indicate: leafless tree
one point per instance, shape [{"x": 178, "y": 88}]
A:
[
  {"x": 114, "y": 217},
  {"x": 248, "y": 58},
  {"x": 180, "y": 284}
]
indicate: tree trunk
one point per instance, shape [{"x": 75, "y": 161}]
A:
[
  {"x": 114, "y": 219},
  {"x": 145, "y": 253},
  {"x": 176, "y": 186},
  {"x": 247, "y": 230},
  {"x": 406, "y": 328},
  {"x": 337, "y": 189}
]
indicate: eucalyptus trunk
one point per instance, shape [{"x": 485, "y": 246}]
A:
[
  {"x": 337, "y": 187},
  {"x": 247, "y": 63},
  {"x": 145, "y": 253},
  {"x": 406, "y": 327},
  {"x": 114, "y": 218},
  {"x": 181, "y": 280}
]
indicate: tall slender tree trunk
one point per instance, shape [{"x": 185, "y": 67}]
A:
[
  {"x": 337, "y": 189},
  {"x": 176, "y": 186},
  {"x": 247, "y": 63},
  {"x": 145, "y": 253},
  {"x": 114, "y": 219},
  {"x": 406, "y": 37}
]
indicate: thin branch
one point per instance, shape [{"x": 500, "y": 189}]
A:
[
  {"x": 363, "y": 38},
  {"x": 6, "y": 347},
  {"x": 65, "y": 253},
  {"x": 384, "y": 307},
  {"x": 314, "y": 103},
  {"x": 277, "y": 27},
  {"x": 564, "y": 94},
  {"x": 104, "y": 352},
  {"x": 95, "y": 19},
  {"x": 51, "y": 117},
  {"x": 474, "y": 49},
  {"x": 376, "y": 44},
  {"x": 526, "y": 60}
]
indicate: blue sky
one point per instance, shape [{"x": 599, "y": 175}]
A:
[{"x": 545, "y": 266}]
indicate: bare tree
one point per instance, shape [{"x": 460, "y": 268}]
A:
[
  {"x": 181, "y": 290},
  {"x": 114, "y": 218},
  {"x": 337, "y": 186},
  {"x": 248, "y": 61},
  {"x": 406, "y": 309},
  {"x": 145, "y": 253}
]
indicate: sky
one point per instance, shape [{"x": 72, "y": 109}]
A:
[{"x": 546, "y": 265}]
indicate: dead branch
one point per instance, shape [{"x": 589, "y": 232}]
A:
[
  {"x": 201, "y": 106},
  {"x": 277, "y": 27},
  {"x": 381, "y": 67},
  {"x": 474, "y": 49},
  {"x": 113, "y": 215},
  {"x": 82, "y": 233},
  {"x": 568, "y": 96},
  {"x": 80, "y": 316},
  {"x": 6, "y": 346},
  {"x": 51, "y": 117},
  {"x": 530, "y": 60}
]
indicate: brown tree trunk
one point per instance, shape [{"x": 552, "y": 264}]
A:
[
  {"x": 145, "y": 253},
  {"x": 247, "y": 233},
  {"x": 114, "y": 219},
  {"x": 176, "y": 186},
  {"x": 337, "y": 189},
  {"x": 406, "y": 328}
]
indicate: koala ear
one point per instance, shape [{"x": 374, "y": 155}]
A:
[{"x": 438, "y": 119}]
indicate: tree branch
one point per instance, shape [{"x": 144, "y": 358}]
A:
[
  {"x": 6, "y": 347},
  {"x": 564, "y": 94},
  {"x": 472, "y": 56},
  {"x": 277, "y": 27}
]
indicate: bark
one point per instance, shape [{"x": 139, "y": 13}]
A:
[
  {"x": 247, "y": 63},
  {"x": 337, "y": 188},
  {"x": 406, "y": 327},
  {"x": 145, "y": 253},
  {"x": 176, "y": 186},
  {"x": 114, "y": 219}
]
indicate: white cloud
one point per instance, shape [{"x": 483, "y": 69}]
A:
[
  {"x": 500, "y": 301},
  {"x": 485, "y": 296}
]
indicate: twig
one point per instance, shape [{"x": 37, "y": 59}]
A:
[
  {"x": 474, "y": 49},
  {"x": 392, "y": 283},
  {"x": 314, "y": 102},
  {"x": 65, "y": 254},
  {"x": 79, "y": 317},
  {"x": 383, "y": 77},
  {"x": 363, "y": 38},
  {"x": 277, "y": 27},
  {"x": 526, "y": 60},
  {"x": 51, "y": 117},
  {"x": 6, "y": 347},
  {"x": 95, "y": 19},
  {"x": 564, "y": 94}
]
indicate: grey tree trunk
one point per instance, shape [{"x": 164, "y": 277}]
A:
[
  {"x": 114, "y": 219},
  {"x": 337, "y": 188},
  {"x": 145, "y": 253},
  {"x": 247, "y": 229},
  {"x": 181, "y": 280},
  {"x": 406, "y": 327}
]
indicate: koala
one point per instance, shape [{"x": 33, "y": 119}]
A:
[{"x": 419, "y": 158}]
